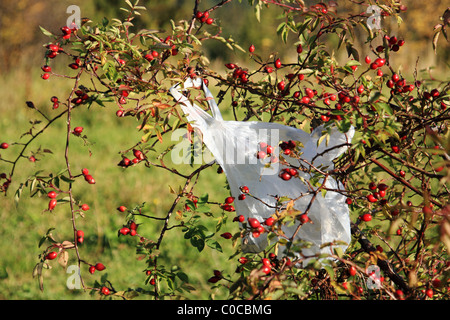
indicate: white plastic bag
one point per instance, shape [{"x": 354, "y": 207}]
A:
[{"x": 235, "y": 144}]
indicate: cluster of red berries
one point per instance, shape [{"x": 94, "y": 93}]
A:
[
  {"x": 89, "y": 179},
  {"x": 75, "y": 64},
  {"x": 266, "y": 265},
  {"x": 433, "y": 94},
  {"x": 227, "y": 205},
  {"x": 138, "y": 157},
  {"x": 52, "y": 203},
  {"x": 81, "y": 97},
  {"x": 287, "y": 173},
  {"x": 98, "y": 266},
  {"x": 130, "y": 229},
  {"x": 238, "y": 73},
  {"x": 377, "y": 195},
  {"x": 151, "y": 55},
  {"x": 55, "y": 101},
  {"x": 80, "y": 236},
  {"x": 266, "y": 150},
  {"x": 217, "y": 276},
  {"x": 398, "y": 85},
  {"x": 204, "y": 17},
  {"x": 54, "y": 49},
  {"x": 287, "y": 146},
  {"x": 392, "y": 43}
]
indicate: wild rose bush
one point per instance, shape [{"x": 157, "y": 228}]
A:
[{"x": 395, "y": 172}]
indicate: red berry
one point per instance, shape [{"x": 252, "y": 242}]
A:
[
  {"x": 52, "y": 194},
  {"x": 52, "y": 204},
  {"x": 105, "y": 291},
  {"x": 251, "y": 49},
  {"x": 435, "y": 93},
  {"x": 85, "y": 172},
  {"x": 241, "y": 218},
  {"x": 285, "y": 176},
  {"x": 243, "y": 260},
  {"x": 304, "y": 218},
  {"x": 266, "y": 269},
  {"x": 299, "y": 49},
  {"x": 45, "y": 76},
  {"x": 253, "y": 222},
  {"x": 209, "y": 21},
  {"x": 269, "y": 221},
  {"x": 396, "y": 149},
  {"x": 122, "y": 208},
  {"x": 395, "y": 77},
  {"x": 427, "y": 210},
  {"x": 366, "y": 217},
  {"x": 228, "y": 207},
  {"x": 261, "y": 155},
  {"x": 80, "y": 233},
  {"x": 91, "y": 269},
  {"x": 133, "y": 225},
  {"x": 124, "y": 231},
  {"x": 278, "y": 63},
  {"x": 373, "y": 66},
  {"x": 85, "y": 207},
  {"x": 226, "y": 235},
  {"x": 78, "y": 130},
  {"x": 352, "y": 271},
  {"x": 138, "y": 154},
  {"x": 51, "y": 255},
  {"x": 229, "y": 200},
  {"x": 380, "y": 62},
  {"x": 390, "y": 84},
  {"x": 100, "y": 267},
  {"x": 367, "y": 59},
  {"x": 89, "y": 179},
  {"x": 242, "y": 197},
  {"x": 281, "y": 85},
  {"x": 371, "y": 198},
  {"x": 245, "y": 189},
  {"x": 268, "y": 69},
  {"x": 46, "y": 68}
]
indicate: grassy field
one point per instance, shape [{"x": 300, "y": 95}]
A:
[{"x": 23, "y": 225}]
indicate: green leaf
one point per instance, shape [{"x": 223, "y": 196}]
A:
[
  {"x": 183, "y": 276},
  {"x": 213, "y": 244},
  {"x": 46, "y": 32}
]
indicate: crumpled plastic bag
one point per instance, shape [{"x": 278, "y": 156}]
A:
[{"x": 235, "y": 144}]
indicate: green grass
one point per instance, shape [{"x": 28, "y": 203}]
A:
[{"x": 23, "y": 225}]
